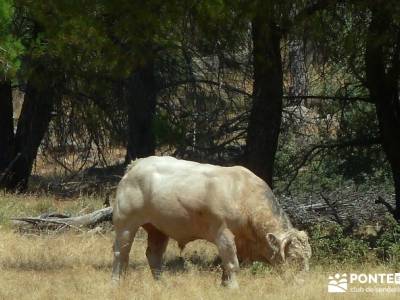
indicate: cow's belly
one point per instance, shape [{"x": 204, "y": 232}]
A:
[{"x": 184, "y": 229}]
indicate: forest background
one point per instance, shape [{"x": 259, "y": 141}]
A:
[{"x": 305, "y": 93}]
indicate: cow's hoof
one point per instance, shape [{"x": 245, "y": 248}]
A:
[
  {"x": 232, "y": 284},
  {"x": 156, "y": 275},
  {"x": 115, "y": 282}
]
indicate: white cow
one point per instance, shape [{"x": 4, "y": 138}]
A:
[{"x": 228, "y": 206}]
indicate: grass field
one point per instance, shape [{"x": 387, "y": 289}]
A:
[{"x": 77, "y": 265}]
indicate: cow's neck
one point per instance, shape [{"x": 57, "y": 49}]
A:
[{"x": 264, "y": 220}]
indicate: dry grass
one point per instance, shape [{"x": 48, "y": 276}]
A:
[{"x": 78, "y": 266}]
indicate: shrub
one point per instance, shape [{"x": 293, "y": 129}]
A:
[
  {"x": 388, "y": 243},
  {"x": 330, "y": 244}
]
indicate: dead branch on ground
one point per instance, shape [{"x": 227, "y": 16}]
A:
[{"x": 60, "y": 221}]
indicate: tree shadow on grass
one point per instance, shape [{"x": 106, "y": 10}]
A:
[
  {"x": 177, "y": 264},
  {"x": 181, "y": 264},
  {"x": 35, "y": 266}
]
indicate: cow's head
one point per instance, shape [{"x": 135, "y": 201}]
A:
[{"x": 291, "y": 247}]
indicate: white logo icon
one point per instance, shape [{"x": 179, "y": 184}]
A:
[{"x": 337, "y": 283}]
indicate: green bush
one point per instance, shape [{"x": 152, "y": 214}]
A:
[
  {"x": 388, "y": 243},
  {"x": 330, "y": 244}
]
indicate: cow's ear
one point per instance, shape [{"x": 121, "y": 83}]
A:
[
  {"x": 284, "y": 246},
  {"x": 273, "y": 241},
  {"x": 276, "y": 244}
]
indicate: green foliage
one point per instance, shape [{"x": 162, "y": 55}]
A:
[
  {"x": 358, "y": 122},
  {"x": 388, "y": 244},
  {"x": 98, "y": 41},
  {"x": 330, "y": 244},
  {"x": 334, "y": 161},
  {"x": 259, "y": 268},
  {"x": 112, "y": 37},
  {"x": 167, "y": 133},
  {"x": 338, "y": 35},
  {"x": 10, "y": 46}
]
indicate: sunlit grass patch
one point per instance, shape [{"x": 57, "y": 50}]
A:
[{"x": 77, "y": 265}]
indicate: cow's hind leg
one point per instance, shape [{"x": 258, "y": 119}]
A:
[
  {"x": 156, "y": 244},
  {"x": 225, "y": 243},
  {"x": 124, "y": 236}
]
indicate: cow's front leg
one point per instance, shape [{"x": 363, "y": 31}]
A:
[
  {"x": 225, "y": 242},
  {"x": 156, "y": 244}
]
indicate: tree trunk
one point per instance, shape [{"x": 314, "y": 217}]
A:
[
  {"x": 396, "y": 178},
  {"x": 6, "y": 125},
  {"x": 298, "y": 84},
  {"x": 382, "y": 82},
  {"x": 142, "y": 95},
  {"x": 266, "y": 112},
  {"x": 32, "y": 125}
]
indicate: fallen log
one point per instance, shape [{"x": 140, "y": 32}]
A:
[{"x": 58, "y": 221}]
